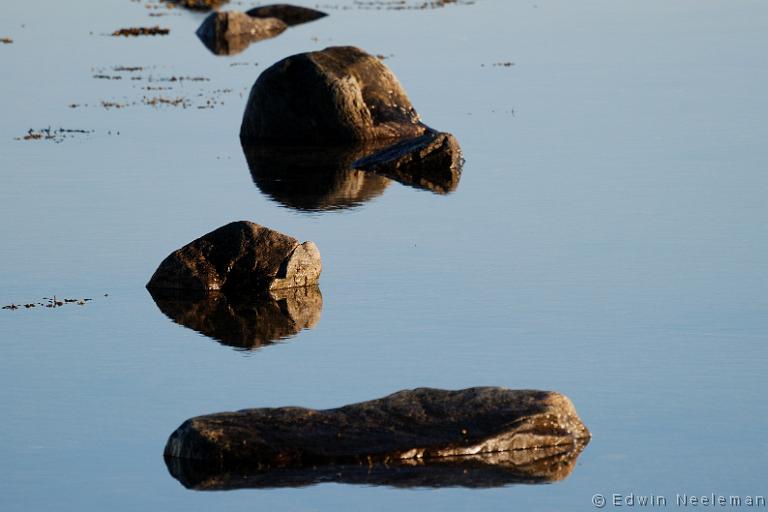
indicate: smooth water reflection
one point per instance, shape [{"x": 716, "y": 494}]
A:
[
  {"x": 545, "y": 465},
  {"x": 244, "y": 321},
  {"x": 311, "y": 178}
]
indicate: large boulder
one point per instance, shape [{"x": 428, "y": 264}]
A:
[
  {"x": 417, "y": 425},
  {"x": 337, "y": 95},
  {"x": 239, "y": 256},
  {"x": 244, "y": 321},
  {"x": 230, "y": 32}
]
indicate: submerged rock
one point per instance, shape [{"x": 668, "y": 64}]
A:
[
  {"x": 414, "y": 425},
  {"x": 338, "y": 95},
  {"x": 239, "y": 256},
  {"x": 543, "y": 465},
  {"x": 230, "y": 32},
  {"x": 289, "y": 14},
  {"x": 244, "y": 321}
]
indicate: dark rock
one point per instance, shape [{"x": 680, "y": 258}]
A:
[
  {"x": 432, "y": 161},
  {"x": 543, "y": 465},
  {"x": 289, "y": 14},
  {"x": 312, "y": 178},
  {"x": 337, "y": 95},
  {"x": 199, "y": 5},
  {"x": 244, "y": 321},
  {"x": 414, "y": 425},
  {"x": 230, "y": 32},
  {"x": 239, "y": 256}
]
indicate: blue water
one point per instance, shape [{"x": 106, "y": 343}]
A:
[{"x": 607, "y": 240}]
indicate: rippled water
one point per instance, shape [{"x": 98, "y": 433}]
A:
[{"x": 607, "y": 240}]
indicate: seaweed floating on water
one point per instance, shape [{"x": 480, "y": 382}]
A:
[
  {"x": 57, "y": 135},
  {"x": 50, "y": 302},
  {"x": 141, "y": 31}
]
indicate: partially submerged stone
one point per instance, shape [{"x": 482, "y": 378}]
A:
[
  {"x": 432, "y": 161},
  {"x": 244, "y": 321},
  {"x": 338, "y": 95},
  {"x": 289, "y": 14},
  {"x": 543, "y": 465},
  {"x": 230, "y": 32},
  {"x": 414, "y": 425},
  {"x": 239, "y": 256},
  {"x": 199, "y": 5}
]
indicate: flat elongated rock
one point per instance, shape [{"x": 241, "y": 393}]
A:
[
  {"x": 338, "y": 95},
  {"x": 239, "y": 256},
  {"x": 244, "y": 321},
  {"x": 289, "y": 14},
  {"x": 420, "y": 424},
  {"x": 230, "y": 32}
]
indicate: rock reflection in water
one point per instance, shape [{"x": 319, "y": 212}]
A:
[
  {"x": 242, "y": 321},
  {"x": 313, "y": 178},
  {"x": 545, "y": 465}
]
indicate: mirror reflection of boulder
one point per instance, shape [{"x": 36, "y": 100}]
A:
[
  {"x": 243, "y": 321},
  {"x": 337, "y": 177},
  {"x": 545, "y": 465},
  {"x": 313, "y": 178}
]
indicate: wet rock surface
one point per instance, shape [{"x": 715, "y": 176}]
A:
[
  {"x": 544, "y": 465},
  {"x": 337, "y": 95},
  {"x": 238, "y": 257},
  {"x": 230, "y": 32},
  {"x": 420, "y": 425},
  {"x": 289, "y": 14},
  {"x": 244, "y": 321}
]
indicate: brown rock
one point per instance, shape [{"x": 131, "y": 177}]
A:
[
  {"x": 244, "y": 321},
  {"x": 337, "y": 95},
  {"x": 414, "y": 425},
  {"x": 200, "y": 5},
  {"x": 239, "y": 256},
  {"x": 230, "y": 32}
]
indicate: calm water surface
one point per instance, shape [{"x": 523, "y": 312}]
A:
[{"x": 607, "y": 240}]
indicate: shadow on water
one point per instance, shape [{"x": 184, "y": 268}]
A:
[
  {"x": 246, "y": 322},
  {"x": 545, "y": 465},
  {"x": 310, "y": 178}
]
